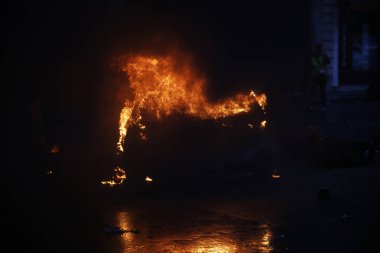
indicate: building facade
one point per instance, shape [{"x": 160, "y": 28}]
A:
[{"x": 350, "y": 33}]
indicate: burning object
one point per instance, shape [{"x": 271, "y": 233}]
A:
[
  {"x": 163, "y": 85},
  {"x": 118, "y": 177}
]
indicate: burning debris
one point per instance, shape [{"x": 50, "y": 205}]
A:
[
  {"x": 117, "y": 179},
  {"x": 164, "y": 85}
]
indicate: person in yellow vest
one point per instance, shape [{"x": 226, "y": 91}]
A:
[{"x": 319, "y": 63}]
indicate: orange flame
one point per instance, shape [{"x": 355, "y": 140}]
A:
[
  {"x": 118, "y": 178},
  {"x": 148, "y": 179},
  {"x": 163, "y": 85}
]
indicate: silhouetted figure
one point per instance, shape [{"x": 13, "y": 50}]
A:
[{"x": 319, "y": 62}]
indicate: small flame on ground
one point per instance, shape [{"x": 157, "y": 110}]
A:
[
  {"x": 117, "y": 179},
  {"x": 265, "y": 245},
  {"x": 109, "y": 182},
  {"x": 276, "y": 175},
  {"x": 148, "y": 179},
  {"x": 263, "y": 124}
]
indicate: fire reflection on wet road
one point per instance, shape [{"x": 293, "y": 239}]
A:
[{"x": 180, "y": 230}]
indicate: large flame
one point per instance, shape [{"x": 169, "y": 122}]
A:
[{"x": 164, "y": 84}]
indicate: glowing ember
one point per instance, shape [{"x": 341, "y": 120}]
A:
[
  {"x": 163, "y": 85},
  {"x": 55, "y": 150},
  {"x": 109, "y": 182},
  {"x": 263, "y": 124},
  {"x": 148, "y": 179},
  {"x": 275, "y": 174}
]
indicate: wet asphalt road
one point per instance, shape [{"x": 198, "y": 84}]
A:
[
  {"x": 246, "y": 211},
  {"x": 279, "y": 215}
]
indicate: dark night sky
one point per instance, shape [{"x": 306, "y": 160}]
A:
[{"x": 58, "y": 53}]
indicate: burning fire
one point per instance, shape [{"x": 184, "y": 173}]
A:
[
  {"x": 163, "y": 85},
  {"x": 118, "y": 178},
  {"x": 276, "y": 175}
]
